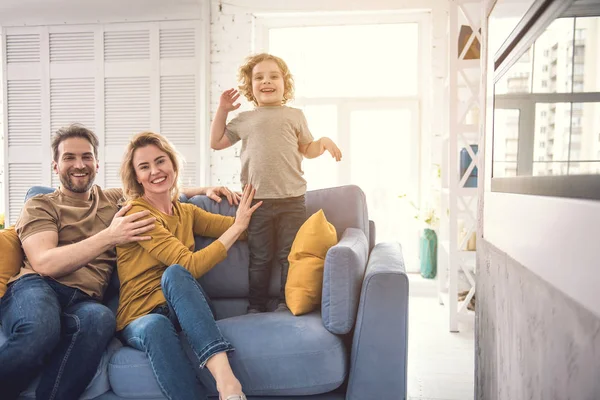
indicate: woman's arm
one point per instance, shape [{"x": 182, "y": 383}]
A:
[{"x": 169, "y": 250}]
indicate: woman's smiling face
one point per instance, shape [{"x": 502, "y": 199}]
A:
[{"x": 154, "y": 170}]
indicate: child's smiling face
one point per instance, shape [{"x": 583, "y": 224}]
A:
[{"x": 267, "y": 84}]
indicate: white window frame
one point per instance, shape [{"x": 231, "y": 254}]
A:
[
  {"x": 420, "y": 103},
  {"x": 554, "y": 238}
]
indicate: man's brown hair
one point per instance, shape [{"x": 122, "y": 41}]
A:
[{"x": 71, "y": 131}]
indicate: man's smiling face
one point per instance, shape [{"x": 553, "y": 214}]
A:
[{"x": 76, "y": 165}]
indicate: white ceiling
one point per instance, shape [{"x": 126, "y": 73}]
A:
[{"x": 50, "y": 12}]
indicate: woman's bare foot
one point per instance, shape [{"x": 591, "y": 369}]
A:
[
  {"x": 227, "y": 389},
  {"x": 227, "y": 384}
]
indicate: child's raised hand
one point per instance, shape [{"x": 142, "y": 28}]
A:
[
  {"x": 332, "y": 148},
  {"x": 227, "y": 100}
]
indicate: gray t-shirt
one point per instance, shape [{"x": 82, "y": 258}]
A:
[{"x": 271, "y": 160}]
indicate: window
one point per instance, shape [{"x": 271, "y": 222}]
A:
[
  {"x": 380, "y": 106},
  {"x": 555, "y": 138}
]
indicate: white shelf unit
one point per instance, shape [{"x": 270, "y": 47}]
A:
[{"x": 459, "y": 202}]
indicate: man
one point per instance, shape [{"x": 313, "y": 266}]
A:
[{"x": 51, "y": 312}]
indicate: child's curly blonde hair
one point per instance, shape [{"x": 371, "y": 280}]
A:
[{"x": 245, "y": 76}]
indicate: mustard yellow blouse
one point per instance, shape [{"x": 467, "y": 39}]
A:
[{"x": 141, "y": 264}]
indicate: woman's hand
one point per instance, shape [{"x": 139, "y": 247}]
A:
[
  {"x": 227, "y": 101},
  {"x": 246, "y": 209}
]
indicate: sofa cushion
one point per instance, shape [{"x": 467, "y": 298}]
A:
[
  {"x": 307, "y": 258},
  {"x": 344, "y": 272},
  {"x": 229, "y": 278},
  {"x": 11, "y": 256},
  {"x": 345, "y": 207},
  {"x": 275, "y": 354}
]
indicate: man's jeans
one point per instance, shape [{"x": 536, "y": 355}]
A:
[
  {"x": 271, "y": 232},
  {"x": 55, "y": 329},
  {"x": 187, "y": 309}
]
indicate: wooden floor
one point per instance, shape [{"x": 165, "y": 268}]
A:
[{"x": 440, "y": 363}]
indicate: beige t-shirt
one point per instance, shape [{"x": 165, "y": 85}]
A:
[
  {"x": 271, "y": 160},
  {"x": 74, "y": 220}
]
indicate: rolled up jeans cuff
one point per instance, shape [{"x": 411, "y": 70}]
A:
[{"x": 216, "y": 347}]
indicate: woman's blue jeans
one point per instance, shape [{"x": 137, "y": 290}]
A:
[{"x": 187, "y": 309}]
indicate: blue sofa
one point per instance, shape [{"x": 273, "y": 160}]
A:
[{"x": 354, "y": 347}]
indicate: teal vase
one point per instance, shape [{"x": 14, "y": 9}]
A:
[{"x": 428, "y": 254}]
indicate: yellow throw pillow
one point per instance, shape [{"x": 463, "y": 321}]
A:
[
  {"x": 307, "y": 261},
  {"x": 11, "y": 256}
]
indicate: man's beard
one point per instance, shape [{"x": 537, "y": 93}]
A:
[{"x": 67, "y": 181}]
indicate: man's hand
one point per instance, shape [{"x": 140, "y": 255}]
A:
[
  {"x": 125, "y": 229},
  {"x": 227, "y": 102},
  {"x": 217, "y": 192},
  {"x": 332, "y": 148}
]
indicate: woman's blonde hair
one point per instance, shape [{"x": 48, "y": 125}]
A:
[
  {"x": 132, "y": 189},
  {"x": 245, "y": 76}
]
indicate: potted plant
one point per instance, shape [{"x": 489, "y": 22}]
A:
[{"x": 428, "y": 240}]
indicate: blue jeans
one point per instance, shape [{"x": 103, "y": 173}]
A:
[
  {"x": 54, "y": 329},
  {"x": 187, "y": 309}
]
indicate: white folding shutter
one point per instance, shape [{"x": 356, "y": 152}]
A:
[
  {"x": 23, "y": 115},
  {"x": 177, "y": 43},
  {"x": 189, "y": 177},
  {"x": 22, "y": 48},
  {"x": 126, "y": 108},
  {"x": 21, "y": 176},
  {"x": 72, "y": 100},
  {"x": 179, "y": 89},
  {"x": 178, "y": 109},
  {"x": 129, "y": 45},
  {"x": 117, "y": 79},
  {"x": 111, "y": 170},
  {"x": 69, "y": 47},
  {"x": 72, "y": 80}
]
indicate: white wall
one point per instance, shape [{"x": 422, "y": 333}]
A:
[
  {"x": 232, "y": 39},
  {"x": 59, "y": 12},
  {"x": 555, "y": 238},
  {"x": 2, "y": 174}
]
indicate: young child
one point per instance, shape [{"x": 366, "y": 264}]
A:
[{"x": 274, "y": 140}]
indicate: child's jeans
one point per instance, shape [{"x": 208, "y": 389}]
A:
[{"x": 271, "y": 232}]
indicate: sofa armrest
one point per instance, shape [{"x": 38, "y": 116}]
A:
[
  {"x": 379, "y": 347},
  {"x": 372, "y": 235},
  {"x": 343, "y": 276}
]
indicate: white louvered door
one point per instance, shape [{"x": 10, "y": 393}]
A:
[
  {"x": 23, "y": 113},
  {"x": 116, "y": 79}
]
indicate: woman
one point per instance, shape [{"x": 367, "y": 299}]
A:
[{"x": 159, "y": 292}]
